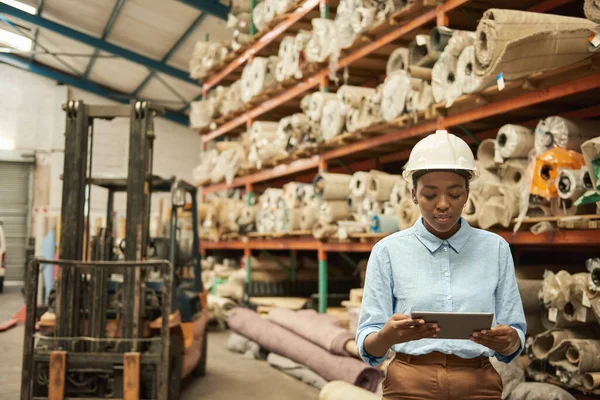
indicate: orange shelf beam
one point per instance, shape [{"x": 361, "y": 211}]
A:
[
  {"x": 253, "y": 50},
  {"x": 316, "y": 79}
]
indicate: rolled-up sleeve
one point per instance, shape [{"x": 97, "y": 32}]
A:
[
  {"x": 378, "y": 301},
  {"x": 509, "y": 307}
]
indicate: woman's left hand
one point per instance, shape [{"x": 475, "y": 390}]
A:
[{"x": 501, "y": 338}]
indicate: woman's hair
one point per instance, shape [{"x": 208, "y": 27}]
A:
[{"x": 461, "y": 172}]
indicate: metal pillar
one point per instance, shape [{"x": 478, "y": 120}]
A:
[
  {"x": 248, "y": 256},
  {"x": 198, "y": 286},
  {"x": 322, "y": 281},
  {"x": 293, "y": 263},
  {"x": 249, "y": 194},
  {"x": 324, "y": 9},
  {"x": 252, "y": 26}
]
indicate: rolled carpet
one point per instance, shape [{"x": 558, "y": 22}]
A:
[
  {"x": 513, "y": 141},
  {"x": 592, "y": 10},
  {"x": 398, "y": 60},
  {"x": 279, "y": 340},
  {"x": 569, "y": 134},
  {"x": 296, "y": 370},
  {"x": 339, "y": 390},
  {"x": 467, "y": 80},
  {"x": 395, "y": 91},
  {"x": 320, "y": 329},
  {"x": 520, "y": 43}
]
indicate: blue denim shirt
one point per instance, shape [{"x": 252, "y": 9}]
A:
[{"x": 472, "y": 271}]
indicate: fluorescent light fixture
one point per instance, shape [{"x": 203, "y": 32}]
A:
[
  {"x": 21, "y": 6},
  {"x": 7, "y": 144},
  {"x": 13, "y": 40}
]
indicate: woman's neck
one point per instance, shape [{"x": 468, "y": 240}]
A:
[{"x": 443, "y": 235}]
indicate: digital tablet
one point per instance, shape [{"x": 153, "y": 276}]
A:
[{"x": 456, "y": 325}]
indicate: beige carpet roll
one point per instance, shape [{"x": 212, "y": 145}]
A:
[
  {"x": 466, "y": 79},
  {"x": 359, "y": 183},
  {"x": 263, "y": 74},
  {"x": 322, "y": 230},
  {"x": 352, "y": 96},
  {"x": 239, "y": 40},
  {"x": 340, "y": 390},
  {"x": 292, "y": 219},
  {"x": 443, "y": 79},
  {"x": 557, "y": 131},
  {"x": 283, "y": 6},
  {"x": 333, "y": 211},
  {"x": 459, "y": 41},
  {"x": 308, "y": 217},
  {"x": 395, "y": 91},
  {"x": 201, "y": 114},
  {"x": 323, "y": 41},
  {"x": 512, "y": 173},
  {"x": 500, "y": 209},
  {"x": 313, "y": 104},
  {"x": 520, "y": 43},
  {"x": 408, "y": 213},
  {"x": 513, "y": 141},
  {"x": 570, "y": 185},
  {"x": 577, "y": 355},
  {"x": 246, "y": 84},
  {"x": 485, "y": 153},
  {"x": 381, "y": 186},
  {"x": 419, "y": 99},
  {"x": 232, "y": 101},
  {"x": 353, "y": 120},
  {"x": 259, "y": 16},
  {"x": 398, "y": 61},
  {"x": 400, "y": 191},
  {"x": 333, "y": 119},
  {"x": 592, "y": 10},
  {"x": 329, "y": 186},
  {"x": 420, "y": 52}
]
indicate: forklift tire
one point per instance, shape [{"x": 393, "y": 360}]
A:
[
  {"x": 175, "y": 366},
  {"x": 200, "y": 369}
]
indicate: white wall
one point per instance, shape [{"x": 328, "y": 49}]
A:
[{"x": 31, "y": 115}]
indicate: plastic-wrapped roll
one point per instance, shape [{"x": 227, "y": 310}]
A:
[
  {"x": 247, "y": 86},
  {"x": 561, "y": 132},
  {"x": 343, "y": 24},
  {"x": 542, "y": 37},
  {"x": 291, "y": 194},
  {"x": 400, "y": 191},
  {"x": 467, "y": 80},
  {"x": 485, "y": 153},
  {"x": 323, "y": 41},
  {"x": 359, "y": 183},
  {"x": 328, "y": 186},
  {"x": 443, "y": 78},
  {"x": 232, "y": 101},
  {"x": 322, "y": 230},
  {"x": 353, "y": 120},
  {"x": 292, "y": 219},
  {"x": 591, "y": 151},
  {"x": 370, "y": 110},
  {"x": 333, "y": 119},
  {"x": 420, "y": 52},
  {"x": 381, "y": 186},
  {"x": 384, "y": 223},
  {"x": 259, "y": 16},
  {"x": 514, "y": 141},
  {"x": 333, "y": 211},
  {"x": 282, "y": 6},
  {"x": 263, "y": 74},
  {"x": 363, "y": 18},
  {"x": 398, "y": 60},
  {"x": 309, "y": 215},
  {"x": 395, "y": 91},
  {"x": 201, "y": 114},
  {"x": 592, "y": 10},
  {"x": 407, "y": 214},
  {"x": 439, "y": 38},
  {"x": 569, "y": 184},
  {"x": 352, "y": 96},
  {"x": 420, "y": 99},
  {"x": 263, "y": 128},
  {"x": 512, "y": 172},
  {"x": 315, "y": 104},
  {"x": 239, "y": 40}
]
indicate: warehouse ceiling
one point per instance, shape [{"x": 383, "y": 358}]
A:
[{"x": 121, "y": 49}]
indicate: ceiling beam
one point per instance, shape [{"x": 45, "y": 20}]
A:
[
  {"x": 212, "y": 7},
  {"x": 97, "y": 43},
  {"x": 79, "y": 83},
  {"x": 107, "y": 28}
]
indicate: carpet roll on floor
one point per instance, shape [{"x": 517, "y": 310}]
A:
[
  {"x": 339, "y": 390},
  {"x": 330, "y": 186},
  {"x": 513, "y": 141},
  {"x": 592, "y": 10},
  {"x": 395, "y": 91},
  {"x": 398, "y": 61},
  {"x": 569, "y": 134},
  {"x": 296, "y": 370},
  {"x": 320, "y": 329},
  {"x": 520, "y": 43}
]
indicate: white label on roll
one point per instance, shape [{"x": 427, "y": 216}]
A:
[
  {"x": 500, "y": 81},
  {"x": 552, "y": 314},
  {"x": 421, "y": 40},
  {"x": 595, "y": 37},
  {"x": 585, "y": 301}
]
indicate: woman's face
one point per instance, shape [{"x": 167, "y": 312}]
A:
[{"x": 441, "y": 197}]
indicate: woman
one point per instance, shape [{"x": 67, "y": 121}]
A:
[{"x": 441, "y": 264}]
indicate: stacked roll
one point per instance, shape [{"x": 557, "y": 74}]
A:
[
  {"x": 258, "y": 76},
  {"x": 421, "y": 53},
  {"x": 394, "y": 94},
  {"x": 232, "y": 101},
  {"x": 557, "y": 131},
  {"x": 206, "y": 56},
  {"x": 291, "y": 53},
  {"x": 204, "y": 112},
  {"x": 265, "y": 143},
  {"x": 361, "y": 111},
  {"x": 323, "y": 42}
]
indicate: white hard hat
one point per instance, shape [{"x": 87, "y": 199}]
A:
[{"x": 441, "y": 150}]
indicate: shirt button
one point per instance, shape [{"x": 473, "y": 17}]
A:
[
  {"x": 445, "y": 249},
  {"x": 449, "y": 352},
  {"x": 447, "y": 274},
  {"x": 449, "y": 297}
]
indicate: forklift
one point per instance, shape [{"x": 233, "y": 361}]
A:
[{"x": 125, "y": 320}]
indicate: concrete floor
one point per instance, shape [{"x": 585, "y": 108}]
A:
[{"x": 229, "y": 376}]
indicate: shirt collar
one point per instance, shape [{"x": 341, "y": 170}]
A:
[{"x": 432, "y": 242}]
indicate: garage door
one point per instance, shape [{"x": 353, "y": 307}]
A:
[{"x": 14, "y": 192}]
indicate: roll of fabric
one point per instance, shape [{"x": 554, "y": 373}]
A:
[
  {"x": 283, "y": 6},
  {"x": 466, "y": 78},
  {"x": 420, "y": 52},
  {"x": 315, "y": 103},
  {"x": 259, "y": 16},
  {"x": 512, "y": 173},
  {"x": 206, "y": 56},
  {"x": 443, "y": 79},
  {"x": 398, "y": 61},
  {"x": 548, "y": 342},
  {"x": 322, "y": 231},
  {"x": 408, "y": 214},
  {"x": 419, "y": 99},
  {"x": 384, "y": 223},
  {"x": 333, "y": 119},
  {"x": 591, "y": 152},
  {"x": 329, "y": 186},
  {"x": 239, "y": 40},
  {"x": 309, "y": 216},
  {"x": 459, "y": 41},
  {"x": 296, "y": 370},
  {"x": 500, "y": 209},
  {"x": 592, "y": 10},
  {"x": 322, "y": 44},
  {"x": 557, "y": 131},
  {"x": 381, "y": 186},
  {"x": 246, "y": 83},
  {"x": 570, "y": 185},
  {"x": 400, "y": 191},
  {"x": 345, "y": 228},
  {"x": 232, "y": 101},
  {"x": 285, "y": 67},
  {"x": 339, "y": 390},
  {"x": 395, "y": 91},
  {"x": 333, "y": 211},
  {"x": 353, "y": 120},
  {"x": 541, "y": 42},
  {"x": 281, "y": 341},
  {"x": 201, "y": 114},
  {"x": 359, "y": 183},
  {"x": 485, "y": 153},
  {"x": 439, "y": 38},
  {"x": 270, "y": 10},
  {"x": 240, "y": 344},
  {"x": 352, "y": 96},
  {"x": 577, "y": 355},
  {"x": 363, "y": 18},
  {"x": 317, "y": 328},
  {"x": 263, "y": 74},
  {"x": 513, "y": 141}
]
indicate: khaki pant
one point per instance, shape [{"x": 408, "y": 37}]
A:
[{"x": 438, "y": 376}]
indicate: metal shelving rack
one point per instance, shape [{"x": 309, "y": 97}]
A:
[{"x": 483, "y": 113}]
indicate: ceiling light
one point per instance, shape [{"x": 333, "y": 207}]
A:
[
  {"x": 21, "y": 6},
  {"x": 7, "y": 144},
  {"x": 13, "y": 40}
]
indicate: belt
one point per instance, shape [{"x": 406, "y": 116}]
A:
[{"x": 443, "y": 359}]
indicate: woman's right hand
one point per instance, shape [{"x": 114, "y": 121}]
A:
[{"x": 401, "y": 328}]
